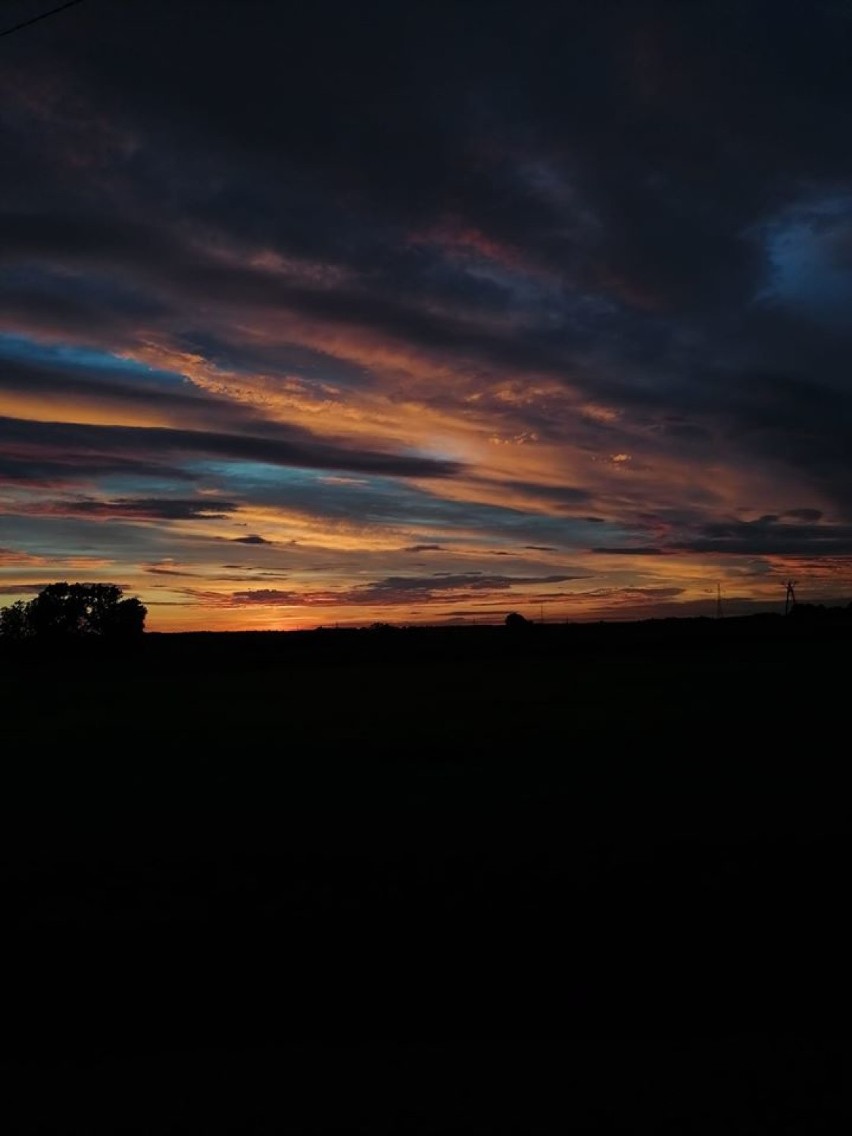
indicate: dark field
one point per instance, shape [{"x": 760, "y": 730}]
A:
[{"x": 226, "y": 848}]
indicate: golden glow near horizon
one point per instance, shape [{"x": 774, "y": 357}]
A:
[{"x": 252, "y": 545}]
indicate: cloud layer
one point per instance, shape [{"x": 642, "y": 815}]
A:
[{"x": 365, "y": 297}]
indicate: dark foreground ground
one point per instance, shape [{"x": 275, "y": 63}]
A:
[{"x": 577, "y": 879}]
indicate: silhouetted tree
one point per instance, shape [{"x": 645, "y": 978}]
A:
[
  {"x": 126, "y": 620},
  {"x": 14, "y": 626},
  {"x": 63, "y": 611},
  {"x": 516, "y": 622}
]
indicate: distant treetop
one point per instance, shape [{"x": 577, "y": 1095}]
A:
[{"x": 515, "y": 620}]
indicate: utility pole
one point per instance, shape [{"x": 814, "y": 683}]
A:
[{"x": 790, "y": 598}]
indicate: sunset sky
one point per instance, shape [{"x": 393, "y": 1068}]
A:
[{"x": 318, "y": 313}]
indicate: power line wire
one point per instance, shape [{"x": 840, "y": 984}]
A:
[{"x": 43, "y": 16}]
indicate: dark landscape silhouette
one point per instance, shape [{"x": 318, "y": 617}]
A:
[{"x": 237, "y": 843}]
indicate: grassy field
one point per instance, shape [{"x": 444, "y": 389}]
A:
[
  {"x": 664, "y": 739},
  {"x": 226, "y": 842}
]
